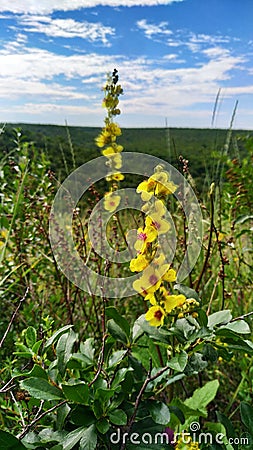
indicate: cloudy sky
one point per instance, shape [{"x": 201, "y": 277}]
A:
[{"x": 173, "y": 56}]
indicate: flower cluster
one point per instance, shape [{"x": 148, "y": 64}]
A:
[
  {"x": 155, "y": 282},
  {"x": 106, "y": 140}
]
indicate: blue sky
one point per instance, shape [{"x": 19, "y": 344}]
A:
[{"x": 173, "y": 56}]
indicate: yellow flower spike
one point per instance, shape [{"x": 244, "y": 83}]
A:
[
  {"x": 155, "y": 316},
  {"x": 173, "y": 301},
  {"x": 138, "y": 264},
  {"x": 111, "y": 202},
  {"x": 149, "y": 282}
]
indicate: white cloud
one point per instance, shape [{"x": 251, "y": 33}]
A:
[
  {"x": 151, "y": 87},
  {"x": 67, "y": 28},
  {"x": 48, "y": 6},
  {"x": 151, "y": 30}
]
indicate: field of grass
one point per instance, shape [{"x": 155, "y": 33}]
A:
[{"x": 170, "y": 365}]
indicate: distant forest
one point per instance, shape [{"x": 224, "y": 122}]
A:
[{"x": 201, "y": 147}]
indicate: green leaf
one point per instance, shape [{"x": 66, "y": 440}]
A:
[
  {"x": 41, "y": 389},
  {"x": 38, "y": 372},
  {"x": 87, "y": 349},
  {"x": 178, "y": 362},
  {"x": 30, "y": 337},
  {"x": 82, "y": 416},
  {"x": 188, "y": 292},
  {"x": 155, "y": 333},
  {"x": 9, "y": 442},
  {"x": 103, "y": 395},
  {"x": 112, "y": 313},
  {"x": 117, "y": 357},
  {"x": 64, "y": 350},
  {"x": 219, "y": 317},
  {"x": 247, "y": 415},
  {"x": 89, "y": 439},
  {"x": 160, "y": 412},
  {"x": 78, "y": 393},
  {"x": 118, "y": 417},
  {"x": 230, "y": 431},
  {"x": 103, "y": 425},
  {"x": 203, "y": 396},
  {"x": 242, "y": 219},
  {"x": 238, "y": 326},
  {"x": 116, "y": 332},
  {"x": 36, "y": 346},
  {"x": 73, "y": 438},
  {"x": 54, "y": 338}
]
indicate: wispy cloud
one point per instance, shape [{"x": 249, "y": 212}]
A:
[
  {"x": 151, "y": 30},
  {"x": 47, "y": 6},
  {"x": 66, "y": 28}
]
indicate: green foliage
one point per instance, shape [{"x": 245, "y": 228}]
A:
[{"x": 83, "y": 369}]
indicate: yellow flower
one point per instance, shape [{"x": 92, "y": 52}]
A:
[
  {"x": 111, "y": 201},
  {"x": 161, "y": 225},
  {"x": 151, "y": 298},
  {"x": 155, "y": 316},
  {"x": 170, "y": 275},
  {"x": 112, "y": 149},
  {"x": 114, "y": 161},
  {"x": 115, "y": 176},
  {"x": 104, "y": 138},
  {"x": 113, "y": 128},
  {"x": 186, "y": 443},
  {"x": 138, "y": 264},
  {"x": 157, "y": 184},
  {"x": 144, "y": 236},
  {"x": 149, "y": 282},
  {"x": 173, "y": 301}
]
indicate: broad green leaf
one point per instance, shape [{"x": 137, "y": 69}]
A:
[
  {"x": 155, "y": 333},
  {"x": 247, "y": 415},
  {"x": 64, "y": 350},
  {"x": 203, "y": 396},
  {"x": 36, "y": 346},
  {"x": 219, "y": 317},
  {"x": 187, "y": 291},
  {"x": 82, "y": 416},
  {"x": 230, "y": 431},
  {"x": 89, "y": 439},
  {"x": 56, "y": 336},
  {"x": 38, "y": 372},
  {"x": 41, "y": 389},
  {"x": 117, "y": 357},
  {"x": 160, "y": 412},
  {"x": 73, "y": 438},
  {"x": 112, "y": 313},
  {"x": 30, "y": 337},
  {"x": 238, "y": 326},
  {"x": 78, "y": 393},
  {"x": 116, "y": 332},
  {"x": 102, "y": 425},
  {"x": 178, "y": 362},
  {"x": 9, "y": 442},
  {"x": 87, "y": 349},
  {"x": 103, "y": 395},
  {"x": 118, "y": 417}
]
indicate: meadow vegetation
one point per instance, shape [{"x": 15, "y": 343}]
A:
[{"x": 79, "y": 370}]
